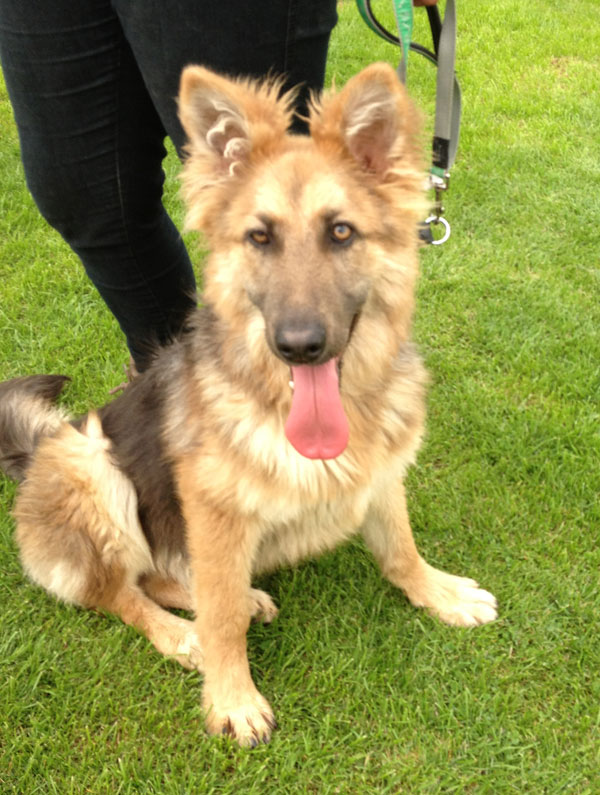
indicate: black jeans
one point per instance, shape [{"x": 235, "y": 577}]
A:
[{"x": 93, "y": 86}]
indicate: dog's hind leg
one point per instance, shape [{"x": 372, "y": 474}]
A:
[
  {"x": 456, "y": 600},
  {"x": 167, "y": 591},
  {"x": 172, "y": 636},
  {"x": 80, "y": 538}
]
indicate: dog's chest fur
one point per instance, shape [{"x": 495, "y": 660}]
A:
[{"x": 241, "y": 458}]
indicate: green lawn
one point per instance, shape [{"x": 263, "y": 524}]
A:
[{"x": 371, "y": 695}]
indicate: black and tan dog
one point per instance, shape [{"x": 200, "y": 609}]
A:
[{"x": 284, "y": 419}]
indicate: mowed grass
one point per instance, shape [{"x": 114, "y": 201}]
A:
[{"x": 372, "y": 695}]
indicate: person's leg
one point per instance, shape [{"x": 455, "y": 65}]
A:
[
  {"x": 240, "y": 37},
  {"x": 92, "y": 141},
  {"x": 92, "y": 146}
]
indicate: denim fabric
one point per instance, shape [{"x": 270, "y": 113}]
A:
[{"x": 93, "y": 86}]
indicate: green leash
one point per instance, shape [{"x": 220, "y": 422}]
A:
[
  {"x": 448, "y": 95},
  {"x": 403, "y": 9}
]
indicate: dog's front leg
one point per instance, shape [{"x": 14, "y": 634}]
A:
[
  {"x": 455, "y": 600},
  {"x": 221, "y": 548}
]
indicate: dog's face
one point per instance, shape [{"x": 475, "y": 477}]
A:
[
  {"x": 306, "y": 233},
  {"x": 301, "y": 255}
]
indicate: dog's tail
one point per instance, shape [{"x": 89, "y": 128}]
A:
[{"x": 27, "y": 416}]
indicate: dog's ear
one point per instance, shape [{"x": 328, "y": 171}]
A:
[
  {"x": 371, "y": 118},
  {"x": 226, "y": 120}
]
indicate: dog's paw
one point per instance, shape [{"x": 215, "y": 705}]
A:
[
  {"x": 176, "y": 637},
  {"x": 188, "y": 652},
  {"x": 458, "y": 601},
  {"x": 262, "y": 607},
  {"x": 250, "y": 722}
]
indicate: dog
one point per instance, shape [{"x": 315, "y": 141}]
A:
[{"x": 281, "y": 422}]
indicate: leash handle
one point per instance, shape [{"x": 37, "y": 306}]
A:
[{"x": 403, "y": 11}]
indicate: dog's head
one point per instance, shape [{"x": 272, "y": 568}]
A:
[{"x": 311, "y": 238}]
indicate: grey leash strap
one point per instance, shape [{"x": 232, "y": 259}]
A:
[
  {"x": 448, "y": 108},
  {"x": 447, "y": 95}
]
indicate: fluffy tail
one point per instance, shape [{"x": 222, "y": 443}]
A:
[{"x": 26, "y": 416}]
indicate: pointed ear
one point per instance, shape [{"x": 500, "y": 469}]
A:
[
  {"x": 225, "y": 120},
  {"x": 371, "y": 118}
]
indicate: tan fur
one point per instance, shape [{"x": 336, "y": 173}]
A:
[{"x": 250, "y": 502}]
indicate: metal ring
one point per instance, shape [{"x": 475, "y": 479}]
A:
[{"x": 434, "y": 219}]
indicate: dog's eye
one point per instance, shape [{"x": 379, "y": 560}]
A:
[
  {"x": 341, "y": 233},
  {"x": 259, "y": 237}
]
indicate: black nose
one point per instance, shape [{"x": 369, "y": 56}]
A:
[{"x": 300, "y": 343}]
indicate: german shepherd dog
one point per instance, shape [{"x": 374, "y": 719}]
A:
[{"x": 283, "y": 420}]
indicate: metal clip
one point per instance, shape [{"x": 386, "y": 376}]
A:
[
  {"x": 439, "y": 184},
  {"x": 435, "y": 220}
]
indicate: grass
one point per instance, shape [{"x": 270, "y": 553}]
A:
[{"x": 371, "y": 695}]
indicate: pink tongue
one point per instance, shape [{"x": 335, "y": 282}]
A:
[{"x": 317, "y": 426}]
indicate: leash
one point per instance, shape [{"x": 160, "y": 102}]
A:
[{"x": 447, "y": 94}]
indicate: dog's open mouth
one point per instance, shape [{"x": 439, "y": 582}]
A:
[{"x": 317, "y": 426}]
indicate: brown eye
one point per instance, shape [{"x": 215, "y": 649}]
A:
[
  {"x": 341, "y": 233},
  {"x": 259, "y": 237}
]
